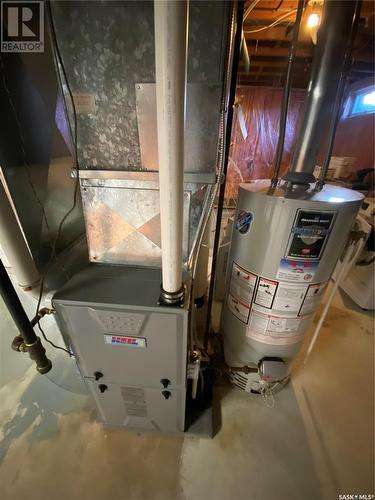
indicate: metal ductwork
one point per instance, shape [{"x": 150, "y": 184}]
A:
[{"x": 329, "y": 58}]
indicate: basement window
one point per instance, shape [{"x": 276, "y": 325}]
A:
[{"x": 360, "y": 102}]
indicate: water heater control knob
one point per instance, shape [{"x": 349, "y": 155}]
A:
[
  {"x": 166, "y": 394},
  {"x": 165, "y": 382},
  {"x": 102, "y": 387}
]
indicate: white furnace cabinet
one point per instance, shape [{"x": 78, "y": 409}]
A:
[{"x": 130, "y": 351}]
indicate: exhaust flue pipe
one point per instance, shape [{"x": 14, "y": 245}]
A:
[
  {"x": 329, "y": 58},
  {"x": 170, "y": 58}
]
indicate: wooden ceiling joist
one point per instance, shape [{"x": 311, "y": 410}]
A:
[{"x": 269, "y": 48}]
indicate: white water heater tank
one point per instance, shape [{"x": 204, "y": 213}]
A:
[{"x": 285, "y": 245}]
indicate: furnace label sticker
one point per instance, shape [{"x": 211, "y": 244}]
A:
[
  {"x": 125, "y": 341},
  {"x": 312, "y": 298},
  {"x": 289, "y": 297},
  {"x": 239, "y": 309},
  {"x": 242, "y": 284},
  {"x": 301, "y": 271},
  {"x": 85, "y": 104},
  {"x": 266, "y": 292},
  {"x": 273, "y": 329}
]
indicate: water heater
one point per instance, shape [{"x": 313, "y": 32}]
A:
[{"x": 285, "y": 245}]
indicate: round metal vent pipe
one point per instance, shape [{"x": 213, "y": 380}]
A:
[
  {"x": 329, "y": 58},
  {"x": 170, "y": 59}
]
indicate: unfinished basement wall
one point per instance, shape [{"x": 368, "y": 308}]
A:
[
  {"x": 355, "y": 137},
  {"x": 252, "y": 157}
]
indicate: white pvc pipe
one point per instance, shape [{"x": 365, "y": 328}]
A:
[
  {"x": 170, "y": 58},
  {"x": 14, "y": 245},
  {"x": 343, "y": 271}
]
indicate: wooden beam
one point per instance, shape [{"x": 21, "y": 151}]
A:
[
  {"x": 269, "y": 14},
  {"x": 267, "y": 73},
  {"x": 277, "y": 52},
  {"x": 266, "y": 83},
  {"x": 271, "y": 78},
  {"x": 276, "y": 33},
  {"x": 282, "y": 43},
  {"x": 278, "y": 60}
]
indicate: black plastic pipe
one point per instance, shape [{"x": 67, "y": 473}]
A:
[
  {"x": 220, "y": 206},
  {"x": 32, "y": 342}
]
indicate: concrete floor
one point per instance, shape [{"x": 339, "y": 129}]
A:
[{"x": 316, "y": 443}]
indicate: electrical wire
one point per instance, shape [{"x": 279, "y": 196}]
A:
[
  {"x": 277, "y": 21},
  {"x": 232, "y": 80},
  {"x": 52, "y": 344},
  {"x": 57, "y": 55},
  {"x": 212, "y": 190},
  {"x": 52, "y": 241},
  {"x": 74, "y": 138},
  {"x": 250, "y": 8},
  {"x": 60, "y": 65},
  {"x": 22, "y": 144},
  {"x": 267, "y": 396}
]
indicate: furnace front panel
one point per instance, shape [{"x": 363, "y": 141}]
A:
[{"x": 130, "y": 351}]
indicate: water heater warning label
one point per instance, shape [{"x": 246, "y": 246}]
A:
[
  {"x": 239, "y": 309},
  {"x": 241, "y": 291},
  {"x": 273, "y": 309},
  {"x": 297, "y": 270},
  {"x": 312, "y": 298},
  {"x": 242, "y": 284},
  {"x": 266, "y": 292},
  {"x": 289, "y": 297},
  {"x": 273, "y": 329}
]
